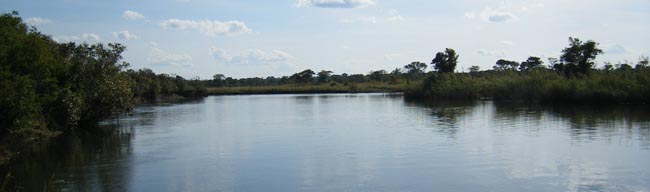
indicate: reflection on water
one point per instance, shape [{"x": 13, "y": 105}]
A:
[{"x": 352, "y": 142}]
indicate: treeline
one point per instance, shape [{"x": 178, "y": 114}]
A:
[
  {"x": 573, "y": 78},
  {"x": 411, "y": 72},
  {"x": 48, "y": 88},
  {"x": 149, "y": 85}
]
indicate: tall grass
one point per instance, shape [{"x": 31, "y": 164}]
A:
[
  {"x": 618, "y": 86},
  {"x": 309, "y": 88}
]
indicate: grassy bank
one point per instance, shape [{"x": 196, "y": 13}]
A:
[
  {"x": 545, "y": 86},
  {"x": 309, "y": 88}
]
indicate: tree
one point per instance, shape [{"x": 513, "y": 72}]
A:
[
  {"x": 445, "y": 62},
  {"x": 415, "y": 67},
  {"x": 474, "y": 69},
  {"x": 531, "y": 63},
  {"x": 503, "y": 65},
  {"x": 379, "y": 75},
  {"x": 579, "y": 56},
  {"x": 324, "y": 76},
  {"x": 305, "y": 76}
]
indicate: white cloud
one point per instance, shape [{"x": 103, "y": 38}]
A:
[
  {"x": 507, "y": 43},
  {"x": 392, "y": 56},
  {"x": 125, "y": 35},
  {"x": 90, "y": 37},
  {"x": 616, "y": 49},
  {"x": 132, "y": 15},
  {"x": 219, "y": 54},
  {"x": 335, "y": 3},
  {"x": 37, "y": 21},
  {"x": 488, "y": 14},
  {"x": 470, "y": 15},
  {"x": 485, "y": 52},
  {"x": 207, "y": 27},
  {"x": 497, "y": 16},
  {"x": 86, "y": 37},
  {"x": 394, "y": 16},
  {"x": 251, "y": 57},
  {"x": 158, "y": 56},
  {"x": 372, "y": 20}
]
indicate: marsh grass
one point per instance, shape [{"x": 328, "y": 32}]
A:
[
  {"x": 310, "y": 88},
  {"x": 545, "y": 86}
]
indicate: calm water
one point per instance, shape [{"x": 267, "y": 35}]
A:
[{"x": 358, "y": 142}]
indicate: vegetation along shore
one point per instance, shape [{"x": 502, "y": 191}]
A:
[{"x": 48, "y": 88}]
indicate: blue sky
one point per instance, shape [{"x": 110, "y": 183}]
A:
[{"x": 246, "y": 38}]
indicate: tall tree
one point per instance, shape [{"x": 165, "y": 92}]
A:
[
  {"x": 445, "y": 62},
  {"x": 503, "y": 65},
  {"x": 579, "y": 56},
  {"x": 531, "y": 63},
  {"x": 324, "y": 76},
  {"x": 415, "y": 67}
]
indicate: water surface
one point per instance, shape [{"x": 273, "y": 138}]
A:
[{"x": 355, "y": 142}]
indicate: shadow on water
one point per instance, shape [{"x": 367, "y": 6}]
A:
[
  {"x": 583, "y": 122},
  {"x": 78, "y": 161}
]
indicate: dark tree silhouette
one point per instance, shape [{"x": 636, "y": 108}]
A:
[
  {"x": 503, "y": 65},
  {"x": 579, "y": 56},
  {"x": 324, "y": 76},
  {"x": 445, "y": 62},
  {"x": 531, "y": 63},
  {"x": 415, "y": 67}
]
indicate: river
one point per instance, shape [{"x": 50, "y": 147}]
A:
[{"x": 352, "y": 142}]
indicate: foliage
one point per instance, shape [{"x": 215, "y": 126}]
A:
[
  {"x": 503, "y": 65},
  {"x": 578, "y": 58},
  {"x": 47, "y": 88},
  {"x": 445, "y": 62},
  {"x": 150, "y": 86},
  {"x": 531, "y": 63},
  {"x": 617, "y": 86}
]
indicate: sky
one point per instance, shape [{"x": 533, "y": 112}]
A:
[{"x": 260, "y": 38}]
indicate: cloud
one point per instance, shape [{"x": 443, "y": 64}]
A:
[
  {"x": 469, "y": 15},
  {"x": 616, "y": 49},
  {"x": 125, "y": 35},
  {"x": 394, "y": 16},
  {"x": 132, "y": 15},
  {"x": 488, "y": 14},
  {"x": 507, "y": 43},
  {"x": 158, "y": 56},
  {"x": 207, "y": 27},
  {"x": 251, "y": 57},
  {"x": 372, "y": 20},
  {"x": 498, "y": 17},
  {"x": 37, "y": 21},
  {"x": 335, "y": 3},
  {"x": 90, "y": 36},
  {"x": 485, "y": 52},
  {"x": 392, "y": 56},
  {"x": 86, "y": 37}
]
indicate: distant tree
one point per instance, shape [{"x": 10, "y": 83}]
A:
[
  {"x": 305, "y": 76},
  {"x": 531, "y": 63},
  {"x": 474, "y": 69},
  {"x": 396, "y": 72},
  {"x": 324, "y": 76},
  {"x": 503, "y": 65},
  {"x": 415, "y": 67},
  {"x": 608, "y": 66},
  {"x": 445, "y": 62},
  {"x": 624, "y": 67},
  {"x": 379, "y": 75},
  {"x": 643, "y": 63},
  {"x": 579, "y": 56}
]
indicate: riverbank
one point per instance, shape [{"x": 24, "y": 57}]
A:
[
  {"x": 371, "y": 87},
  {"x": 543, "y": 86}
]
